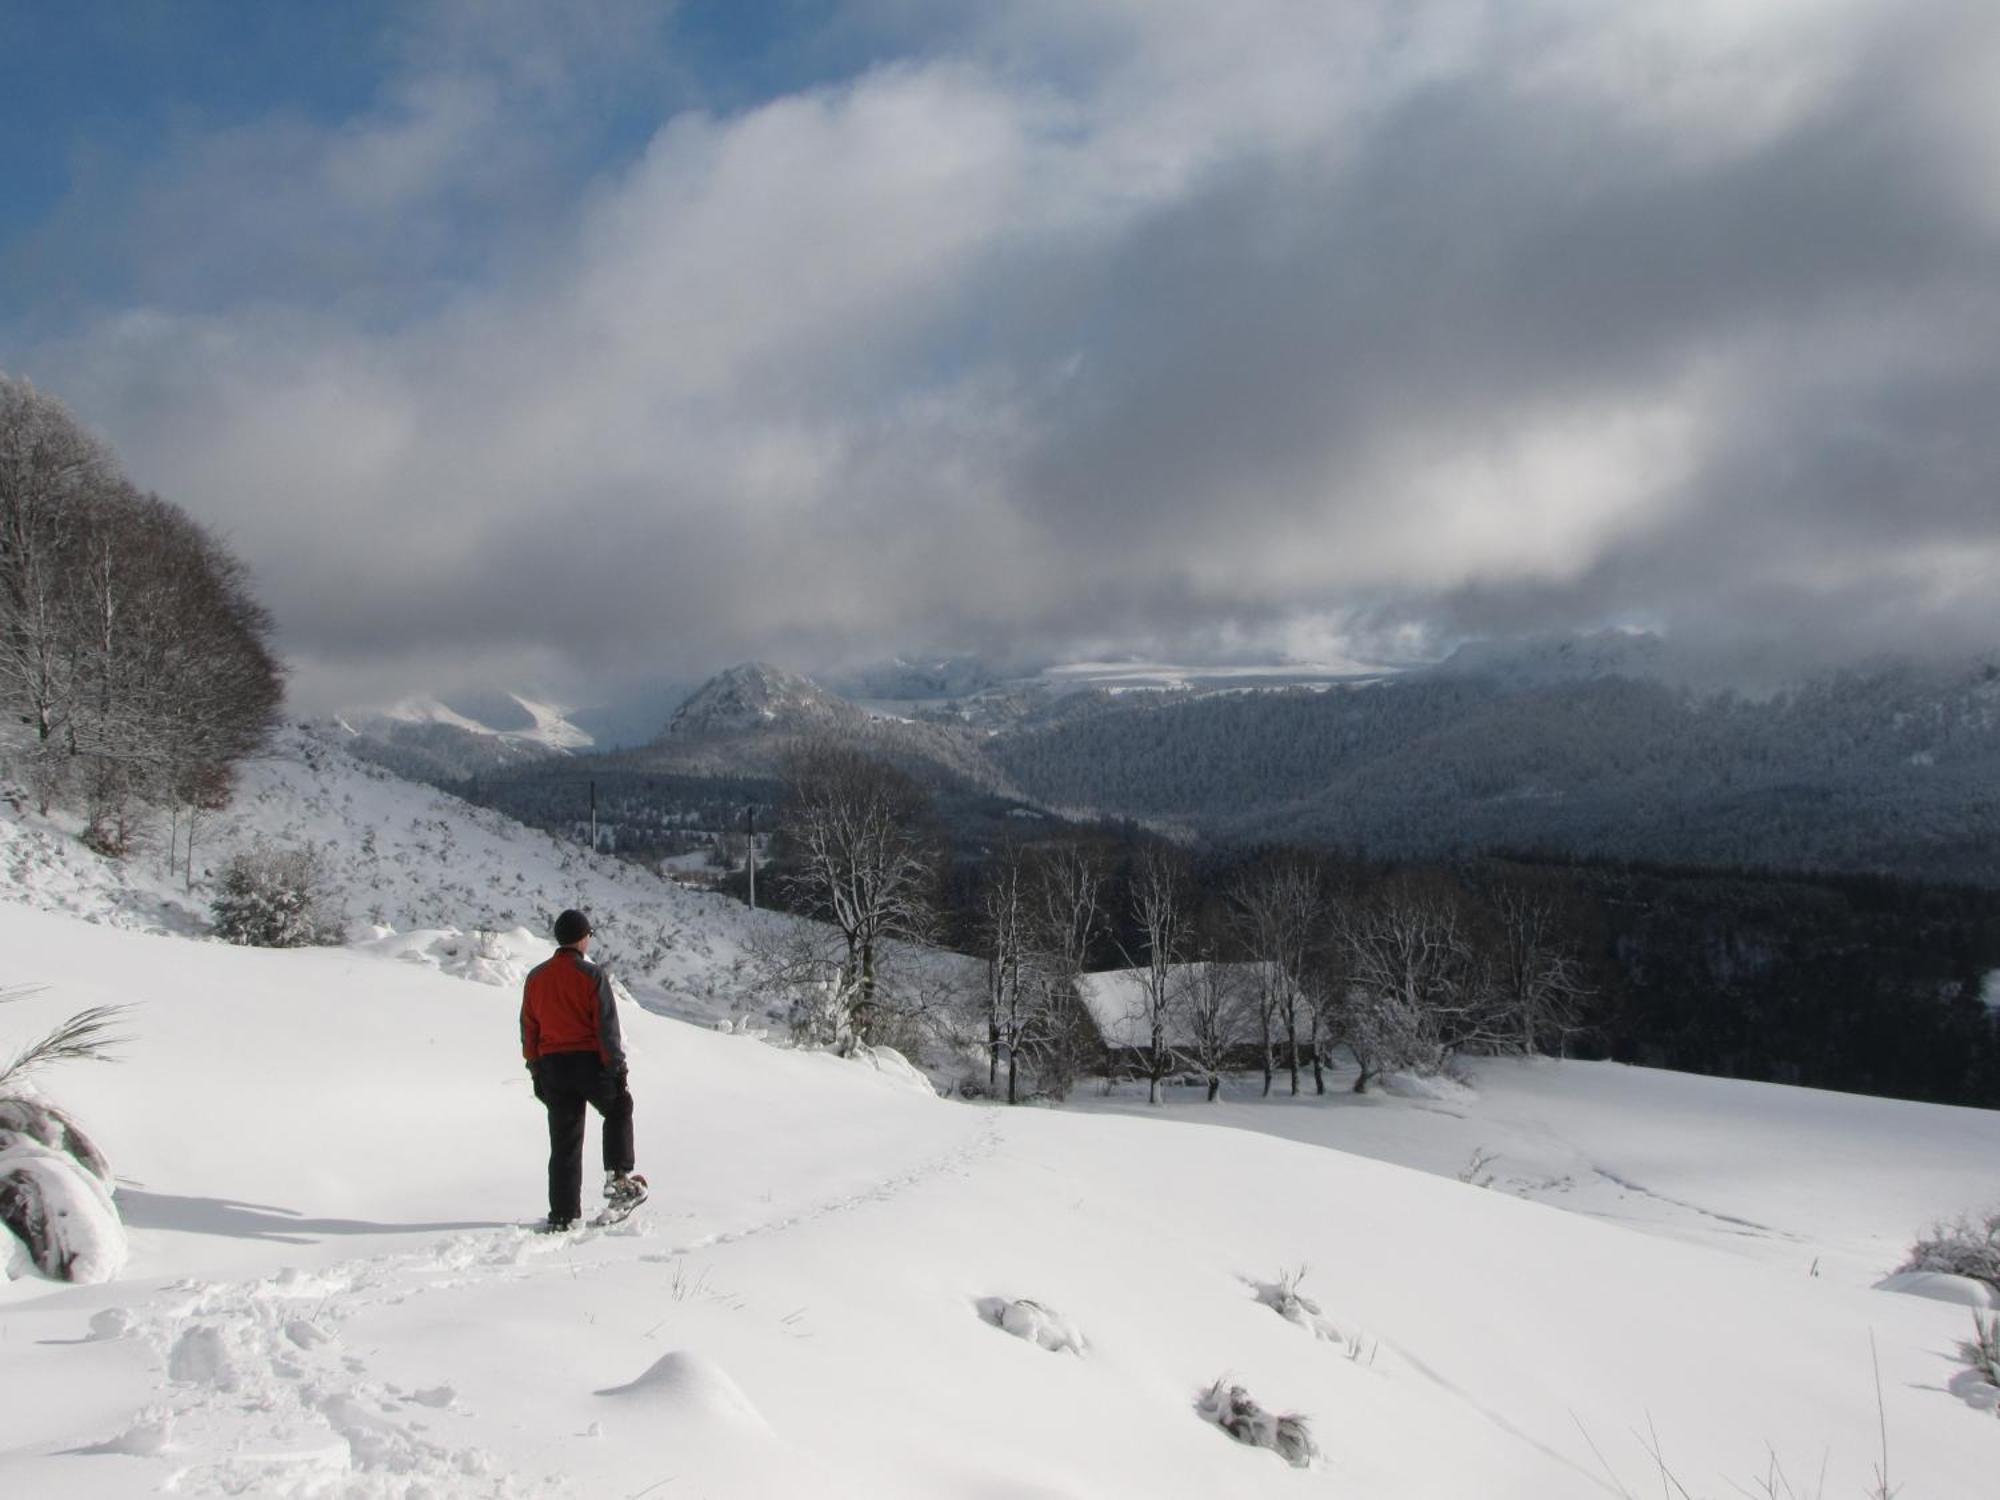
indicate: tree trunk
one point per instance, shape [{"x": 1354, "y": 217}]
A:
[{"x": 992, "y": 1025}]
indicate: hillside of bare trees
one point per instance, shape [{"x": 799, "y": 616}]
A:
[{"x": 135, "y": 668}]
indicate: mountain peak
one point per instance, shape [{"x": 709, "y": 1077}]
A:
[{"x": 756, "y": 697}]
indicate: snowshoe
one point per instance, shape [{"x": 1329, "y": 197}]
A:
[{"x": 623, "y": 1192}]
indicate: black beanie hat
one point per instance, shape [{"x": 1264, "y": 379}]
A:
[{"x": 570, "y": 926}]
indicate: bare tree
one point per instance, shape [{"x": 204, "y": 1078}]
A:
[
  {"x": 1160, "y": 913},
  {"x": 1011, "y": 990},
  {"x": 1278, "y": 911},
  {"x": 1416, "y": 989},
  {"x": 1538, "y": 977},
  {"x": 1066, "y": 916},
  {"x": 853, "y": 826},
  {"x": 50, "y": 471},
  {"x": 1215, "y": 1001}
]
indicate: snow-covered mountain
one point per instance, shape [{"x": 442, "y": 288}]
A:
[
  {"x": 757, "y": 698},
  {"x": 520, "y": 721},
  {"x": 424, "y": 737}
]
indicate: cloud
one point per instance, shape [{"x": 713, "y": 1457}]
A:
[{"x": 1167, "y": 323}]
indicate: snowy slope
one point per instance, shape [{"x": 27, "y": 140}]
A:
[
  {"x": 434, "y": 877},
  {"x": 321, "y": 1152},
  {"x": 1808, "y": 1182}
]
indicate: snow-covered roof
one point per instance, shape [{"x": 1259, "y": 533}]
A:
[{"x": 1117, "y": 1000}]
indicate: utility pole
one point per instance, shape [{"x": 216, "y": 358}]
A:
[
  {"x": 750, "y": 847},
  {"x": 593, "y": 815}
]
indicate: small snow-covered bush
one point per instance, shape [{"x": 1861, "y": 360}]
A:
[
  {"x": 1968, "y": 1246},
  {"x": 274, "y": 897},
  {"x": 1284, "y": 1298},
  {"x": 1034, "y": 1322},
  {"x": 1230, "y": 1408}
]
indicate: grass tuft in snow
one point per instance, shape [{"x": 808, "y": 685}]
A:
[{"x": 1982, "y": 1350}]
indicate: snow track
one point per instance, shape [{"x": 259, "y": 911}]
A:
[{"x": 260, "y": 1377}]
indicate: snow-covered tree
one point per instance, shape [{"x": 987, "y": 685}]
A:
[
  {"x": 1416, "y": 987},
  {"x": 270, "y": 896},
  {"x": 1537, "y": 976}
]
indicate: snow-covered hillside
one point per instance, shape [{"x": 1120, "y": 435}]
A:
[
  {"x": 1807, "y": 1182},
  {"x": 422, "y": 872},
  {"x": 322, "y": 1154}
]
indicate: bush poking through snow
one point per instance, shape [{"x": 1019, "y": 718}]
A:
[
  {"x": 1284, "y": 1297},
  {"x": 274, "y": 897},
  {"x": 1040, "y": 1325},
  {"x": 55, "y": 1185},
  {"x": 1968, "y": 1246},
  {"x": 1230, "y": 1408}
]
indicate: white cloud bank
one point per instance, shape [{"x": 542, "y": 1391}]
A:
[{"x": 1096, "y": 320}]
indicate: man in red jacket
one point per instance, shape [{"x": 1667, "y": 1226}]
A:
[{"x": 576, "y": 1055}]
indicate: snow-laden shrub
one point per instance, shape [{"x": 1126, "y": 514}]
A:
[
  {"x": 276, "y": 897},
  {"x": 1968, "y": 1246},
  {"x": 1230, "y": 1408},
  {"x": 1285, "y": 1299},
  {"x": 1034, "y": 1322},
  {"x": 61, "y": 1213}
]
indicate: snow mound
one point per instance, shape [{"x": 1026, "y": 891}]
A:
[
  {"x": 59, "y": 1211},
  {"x": 1034, "y": 1322},
  {"x": 502, "y": 959},
  {"x": 892, "y": 1064},
  {"x": 1432, "y": 1086},
  {"x": 692, "y": 1388},
  {"x": 1940, "y": 1286}
]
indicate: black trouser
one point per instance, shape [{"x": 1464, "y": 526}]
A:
[{"x": 565, "y": 1082}]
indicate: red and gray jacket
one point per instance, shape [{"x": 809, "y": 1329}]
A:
[{"x": 566, "y": 1006}]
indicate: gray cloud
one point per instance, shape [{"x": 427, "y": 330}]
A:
[{"x": 1177, "y": 326}]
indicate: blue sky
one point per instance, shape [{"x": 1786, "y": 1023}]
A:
[{"x": 815, "y": 330}]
